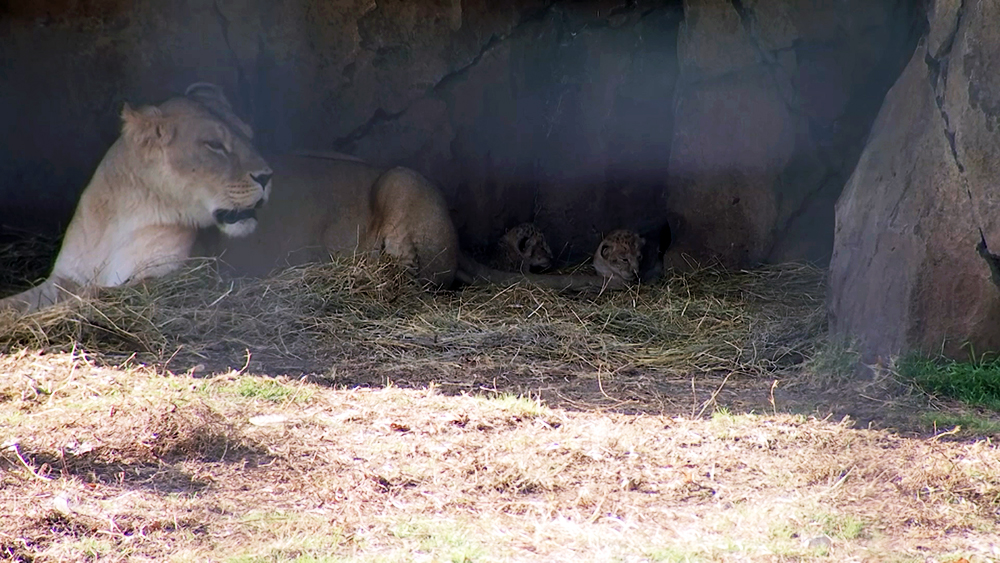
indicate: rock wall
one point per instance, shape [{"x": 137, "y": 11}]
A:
[
  {"x": 557, "y": 112},
  {"x": 906, "y": 273},
  {"x": 737, "y": 120},
  {"x": 772, "y": 108}
]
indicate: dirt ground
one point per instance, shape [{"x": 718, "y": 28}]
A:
[{"x": 132, "y": 463}]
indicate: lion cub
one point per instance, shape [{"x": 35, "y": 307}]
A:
[
  {"x": 617, "y": 257},
  {"x": 523, "y": 249}
]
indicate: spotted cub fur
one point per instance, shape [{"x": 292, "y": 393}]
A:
[
  {"x": 523, "y": 249},
  {"x": 618, "y": 256}
]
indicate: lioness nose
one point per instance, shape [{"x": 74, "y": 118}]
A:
[{"x": 262, "y": 179}]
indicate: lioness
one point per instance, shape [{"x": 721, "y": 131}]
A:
[
  {"x": 175, "y": 168},
  {"x": 189, "y": 164}
]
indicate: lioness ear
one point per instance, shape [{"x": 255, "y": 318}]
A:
[
  {"x": 146, "y": 126},
  {"x": 212, "y": 97},
  {"x": 209, "y": 94}
]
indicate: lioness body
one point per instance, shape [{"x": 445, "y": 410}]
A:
[{"x": 332, "y": 205}]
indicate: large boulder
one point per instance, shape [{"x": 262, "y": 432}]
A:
[{"x": 906, "y": 274}]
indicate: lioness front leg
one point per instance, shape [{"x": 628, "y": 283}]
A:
[
  {"x": 46, "y": 294},
  {"x": 411, "y": 219},
  {"x": 401, "y": 249},
  {"x": 151, "y": 252}
]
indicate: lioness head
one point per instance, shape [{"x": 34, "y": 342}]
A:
[
  {"x": 618, "y": 255},
  {"x": 201, "y": 158}
]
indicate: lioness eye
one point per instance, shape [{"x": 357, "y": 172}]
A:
[{"x": 215, "y": 146}]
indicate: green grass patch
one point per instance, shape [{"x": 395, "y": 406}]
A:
[
  {"x": 442, "y": 540},
  {"x": 94, "y": 549},
  {"x": 675, "y": 555},
  {"x": 278, "y": 557},
  {"x": 289, "y": 536},
  {"x": 264, "y": 389},
  {"x": 520, "y": 405},
  {"x": 970, "y": 423},
  {"x": 976, "y": 383},
  {"x": 842, "y": 526}
]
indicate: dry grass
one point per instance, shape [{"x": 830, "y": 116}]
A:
[
  {"x": 367, "y": 318},
  {"x": 24, "y": 258},
  {"x": 112, "y": 464}
]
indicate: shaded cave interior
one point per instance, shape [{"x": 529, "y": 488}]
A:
[{"x": 737, "y": 122}]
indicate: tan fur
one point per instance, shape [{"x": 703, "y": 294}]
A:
[
  {"x": 189, "y": 164},
  {"x": 618, "y": 256},
  {"x": 523, "y": 249},
  {"x": 172, "y": 169},
  {"x": 325, "y": 206}
]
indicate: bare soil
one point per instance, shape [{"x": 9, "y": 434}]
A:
[{"x": 131, "y": 464}]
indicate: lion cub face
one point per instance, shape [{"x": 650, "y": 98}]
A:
[
  {"x": 619, "y": 254},
  {"x": 524, "y": 249},
  {"x": 205, "y": 158}
]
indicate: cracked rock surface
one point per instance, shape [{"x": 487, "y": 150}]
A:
[
  {"x": 772, "y": 105},
  {"x": 906, "y": 273}
]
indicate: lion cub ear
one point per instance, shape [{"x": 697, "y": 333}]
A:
[
  {"x": 146, "y": 126},
  {"x": 604, "y": 249}
]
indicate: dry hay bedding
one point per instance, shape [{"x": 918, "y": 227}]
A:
[
  {"x": 355, "y": 316},
  {"x": 25, "y": 258}
]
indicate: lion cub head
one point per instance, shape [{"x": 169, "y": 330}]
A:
[
  {"x": 200, "y": 159},
  {"x": 524, "y": 249},
  {"x": 618, "y": 255}
]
